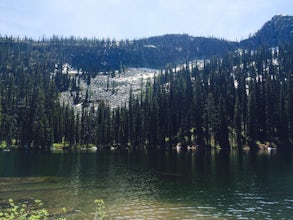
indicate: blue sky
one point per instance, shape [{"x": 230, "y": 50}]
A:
[{"x": 120, "y": 19}]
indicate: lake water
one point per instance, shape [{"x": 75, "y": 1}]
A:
[{"x": 153, "y": 185}]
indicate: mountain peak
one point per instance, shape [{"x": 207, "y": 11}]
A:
[
  {"x": 280, "y": 16},
  {"x": 278, "y": 29},
  {"x": 281, "y": 22}
]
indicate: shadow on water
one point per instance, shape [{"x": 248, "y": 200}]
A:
[{"x": 154, "y": 184}]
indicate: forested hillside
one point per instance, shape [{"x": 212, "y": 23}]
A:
[
  {"x": 234, "y": 97},
  {"x": 103, "y": 55},
  {"x": 279, "y": 29},
  {"x": 100, "y": 55}
]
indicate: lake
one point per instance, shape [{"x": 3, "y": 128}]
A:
[{"x": 153, "y": 184}]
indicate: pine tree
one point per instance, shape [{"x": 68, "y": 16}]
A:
[
  {"x": 212, "y": 118},
  {"x": 289, "y": 106},
  {"x": 222, "y": 134},
  {"x": 237, "y": 122},
  {"x": 252, "y": 122}
]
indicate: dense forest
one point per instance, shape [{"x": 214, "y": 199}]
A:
[
  {"x": 239, "y": 95},
  {"x": 102, "y": 55},
  {"x": 243, "y": 97}
]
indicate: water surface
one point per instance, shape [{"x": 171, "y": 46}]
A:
[{"x": 153, "y": 185}]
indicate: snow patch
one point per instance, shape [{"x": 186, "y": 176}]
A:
[{"x": 150, "y": 46}]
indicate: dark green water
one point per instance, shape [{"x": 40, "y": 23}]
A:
[{"x": 153, "y": 185}]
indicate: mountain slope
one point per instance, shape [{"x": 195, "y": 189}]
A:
[
  {"x": 177, "y": 48},
  {"x": 154, "y": 52},
  {"x": 174, "y": 49},
  {"x": 93, "y": 55},
  {"x": 278, "y": 29}
]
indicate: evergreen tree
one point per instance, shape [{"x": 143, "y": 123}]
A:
[
  {"x": 252, "y": 123},
  {"x": 289, "y": 106}
]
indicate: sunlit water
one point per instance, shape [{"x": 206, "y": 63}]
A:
[{"x": 153, "y": 185}]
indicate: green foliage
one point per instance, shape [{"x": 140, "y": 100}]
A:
[
  {"x": 24, "y": 211},
  {"x": 36, "y": 211},
  {"x": 100, "y": 209}
]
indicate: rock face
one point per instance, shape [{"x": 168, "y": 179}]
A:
[{"x": 113, "y": 89}]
